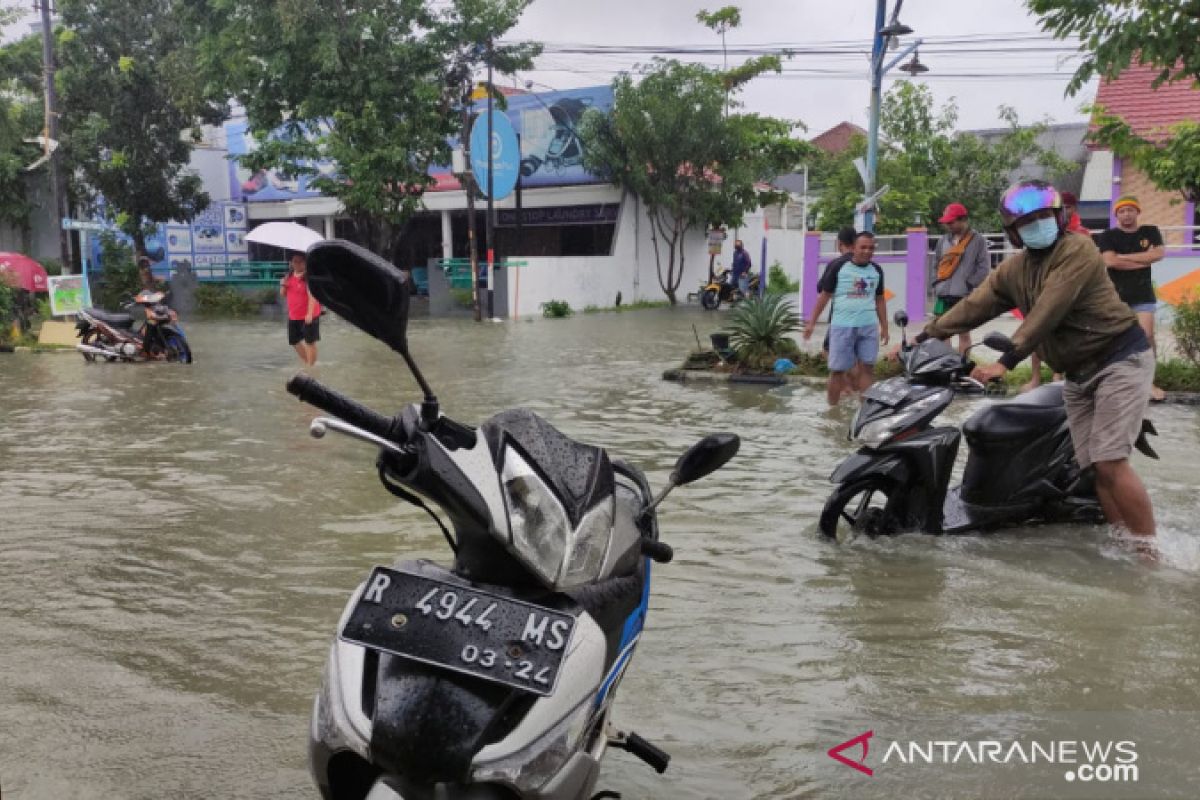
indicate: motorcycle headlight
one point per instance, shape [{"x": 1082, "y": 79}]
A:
[
  {"x": 876, "y": 433},
  {"x": 530, "y": 768},
  {"x": 542, "y": 535}
]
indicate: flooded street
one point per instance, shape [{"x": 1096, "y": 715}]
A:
[{"x": 175, "y": 551}]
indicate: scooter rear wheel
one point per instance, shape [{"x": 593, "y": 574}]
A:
[
  {"x": 711, "y": 299},
  {"x": 869, "y": 506}
]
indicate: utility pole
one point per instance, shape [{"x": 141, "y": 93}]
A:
[
  {"x": 491, "y": 231},
  {"x": 58, "y": 189},
  {"x": 878, "y": 43},
  {"x": 468, "y": 180}
]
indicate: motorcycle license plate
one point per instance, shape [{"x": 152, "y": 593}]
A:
[{"x": 466, "y": 630}]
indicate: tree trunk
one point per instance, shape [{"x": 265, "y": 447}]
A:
[{"x": 657, "y": 229}]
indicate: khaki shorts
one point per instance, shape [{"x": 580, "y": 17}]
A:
[{"x": 1105, "y": 412}]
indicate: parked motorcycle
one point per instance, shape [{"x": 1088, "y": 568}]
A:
[
  {"x": 112, "y": 337},
  {"x": 1021, "y": 466},
  {"x": 720, "y": 290},
  {"x": 495, "y": 677}
]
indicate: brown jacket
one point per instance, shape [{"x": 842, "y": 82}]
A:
[{"x": 1072, "y": 311}]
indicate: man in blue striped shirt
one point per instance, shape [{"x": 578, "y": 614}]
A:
[{"x": 859, "y": 321}]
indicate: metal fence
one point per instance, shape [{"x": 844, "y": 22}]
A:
[{"x": 248, "y": 274}]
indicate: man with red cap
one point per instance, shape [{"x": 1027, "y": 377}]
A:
[{"x": 962, "y": 263}]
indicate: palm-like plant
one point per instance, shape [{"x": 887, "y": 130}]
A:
[{"x": 759, "y": 328}]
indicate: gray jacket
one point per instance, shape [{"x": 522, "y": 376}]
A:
[{"x": 972, "y": 270}]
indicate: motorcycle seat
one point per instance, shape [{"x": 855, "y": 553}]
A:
[
  {"x": 1027, "y": 415},
  {"x": 116, "y": 320}
]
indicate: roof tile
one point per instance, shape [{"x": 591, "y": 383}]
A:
[{"x": 1149, "y": 111}]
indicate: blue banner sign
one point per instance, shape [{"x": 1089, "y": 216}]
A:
[{"x": 505, "y": 154}]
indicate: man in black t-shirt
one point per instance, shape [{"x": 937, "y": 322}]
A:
[{"x": 1128, "y": 250}]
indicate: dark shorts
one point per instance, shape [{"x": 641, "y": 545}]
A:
[{"x": 298, "y": 331}]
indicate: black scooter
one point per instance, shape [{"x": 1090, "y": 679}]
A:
[{"x": 1021, "y": 466}]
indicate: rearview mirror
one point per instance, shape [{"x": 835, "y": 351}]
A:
[
  {"x": 361, "y": 288},
  {"x": 900, "y": 318},
  {"x": 998, "y": 341},
  {"x": 705, "y": 457}
]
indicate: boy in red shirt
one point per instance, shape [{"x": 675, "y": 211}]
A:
[{"x": 304, "y": 311}]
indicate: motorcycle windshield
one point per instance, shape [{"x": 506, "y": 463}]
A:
[{"x": 933, "y": 358}]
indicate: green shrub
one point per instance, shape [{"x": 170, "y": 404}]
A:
[
  {"x": 119, "y": 279},
  {"x": 8, "y": 305},
  {"x": 778, "y": 283},
  {"x": 759, "y": 328},
  {"x": 638, "y": 305},
  {"x": 1177, "y": 375},
  {"x": 52, "y": 266},
  {"x": 219, "y": 300},
  {"x": 556, "y": 308},
  {"x": 1186, "y": 328},
  {"x": 463, "y": 297}
]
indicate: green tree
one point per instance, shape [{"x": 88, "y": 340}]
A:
[
  {"x": 129, "y": 98},
  {"x": 666, "y": 141},
  {"x": 928, "y": 165},
  {"x": 1171, "y": 159},
  {"x": 373, "y": 87},
  {"x": 20, "y": 119},
  {"x": 1158, "y": 33}
]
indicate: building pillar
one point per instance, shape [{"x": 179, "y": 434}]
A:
[
  {"x": 328, "y": 225},
  {"x": 916, "y": 256},
  {"x": 811, "y": 272},
  {"x": 447, "y": 237},
  {"x": 1115, "y": 195}
]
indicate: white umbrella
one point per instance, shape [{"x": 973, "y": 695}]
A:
[{"x": 288, "y": 235}]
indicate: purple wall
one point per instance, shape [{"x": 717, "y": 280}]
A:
[{"x": 912, "y": 294}]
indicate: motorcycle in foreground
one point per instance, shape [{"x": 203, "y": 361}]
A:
[
  {"x": 720, "y": 290},
  {"x": 1020, "y": 469},
  {"x": 493, "y": 678},
  {"x": 112, "y": 337}
]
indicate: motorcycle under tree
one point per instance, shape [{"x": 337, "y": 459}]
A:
[
  {"x": 1020, "y": 470},
  {"x": 721, "y": 290},
  {"x": 493, "y": 678},
  {"x": 105, "y": 336}
]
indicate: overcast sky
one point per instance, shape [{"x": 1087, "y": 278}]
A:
[{"x": 1031, "y": 76}]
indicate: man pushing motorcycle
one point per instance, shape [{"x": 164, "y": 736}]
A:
[{"x": 1076, "y": 322}]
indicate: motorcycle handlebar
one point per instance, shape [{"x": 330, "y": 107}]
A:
[{"x": 315, "y": 393}]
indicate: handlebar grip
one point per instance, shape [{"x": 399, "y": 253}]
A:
[
  {"x": 657, "y": 551},
  {"x": 317, "y": 394}
]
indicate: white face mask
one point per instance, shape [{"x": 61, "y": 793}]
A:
[{"x": 1039, "y": 234}]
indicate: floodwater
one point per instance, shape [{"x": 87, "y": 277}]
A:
[{"x": 175, "y": 551}]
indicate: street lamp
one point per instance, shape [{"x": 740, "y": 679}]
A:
[{"x": 884, "y": 35}]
